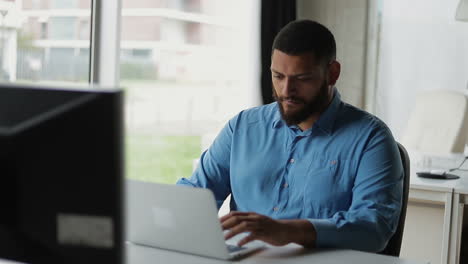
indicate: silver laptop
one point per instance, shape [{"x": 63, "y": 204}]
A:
[{"x": 179, "y": 218}]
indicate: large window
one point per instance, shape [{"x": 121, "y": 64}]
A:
[
  {"x": 45, "y": 40},
  {"x": 187, "y": 68},
  {"x": 421, "y": 49}
]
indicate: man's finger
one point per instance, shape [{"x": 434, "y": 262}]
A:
[
  {"x": 232, "y": 221},
  {"x": 240, "y": 228},
  {"x": 235, "y": 220},
  {"x": 247, "y": 239},
  {"x": 231, "y": 214}
]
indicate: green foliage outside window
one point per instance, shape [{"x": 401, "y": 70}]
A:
[{"x": 161, "y": 159}]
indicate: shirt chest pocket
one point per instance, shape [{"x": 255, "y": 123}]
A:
[{"x": 327, "y": 187}]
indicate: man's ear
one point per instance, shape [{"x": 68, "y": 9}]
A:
[{"x": 334, "y": 72}]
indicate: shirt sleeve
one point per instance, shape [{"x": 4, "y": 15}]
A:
[
  {"x": 375, "y": 208},
  {"x": 213, "y": 168}
]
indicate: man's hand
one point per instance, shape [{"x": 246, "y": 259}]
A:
[{"x": 274, "y": 232}]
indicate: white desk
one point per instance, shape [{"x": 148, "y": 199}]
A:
[
  {"x": 435, "y": 192},
  {"x": 290, "y": 254},
  {"x": 460, "y": 199},
  {"x": 452, "y": 194}
]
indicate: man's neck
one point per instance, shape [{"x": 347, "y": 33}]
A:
[{"x": 310, "y": 121}]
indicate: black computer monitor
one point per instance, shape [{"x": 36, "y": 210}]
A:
[{"x": 61, "y": 175}]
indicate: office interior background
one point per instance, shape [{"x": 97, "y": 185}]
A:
[{"x": 187, "y": 66}]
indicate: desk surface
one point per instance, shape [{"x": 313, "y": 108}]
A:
[
  {"x": 290, "y": 254},
  {"x": 461, "y": 185},
  {"x": 458, "y": 185}
]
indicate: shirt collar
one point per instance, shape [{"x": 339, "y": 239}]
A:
[
  {"x": 277, "y": 120},
  {"x": 326, "y": 119}
]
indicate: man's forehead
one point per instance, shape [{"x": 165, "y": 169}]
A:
[{"x": 281, "y": 60}]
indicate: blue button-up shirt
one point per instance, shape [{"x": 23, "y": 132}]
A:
[{"x": 344, "y": 174}]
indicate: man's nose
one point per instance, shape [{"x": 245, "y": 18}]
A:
[{"x": 289, "y": 87}]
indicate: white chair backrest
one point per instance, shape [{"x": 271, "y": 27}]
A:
[{"x": 438, "y": 123}]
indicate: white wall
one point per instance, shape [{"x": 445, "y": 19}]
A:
[{"x": 347, "y": 20}]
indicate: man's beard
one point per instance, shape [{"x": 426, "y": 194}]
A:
[{"x": 315, "y": 106}]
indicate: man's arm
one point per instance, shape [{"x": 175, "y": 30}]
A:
[
  {"x": 213, "y": 168},
  {"x": 373, "y": 215}
]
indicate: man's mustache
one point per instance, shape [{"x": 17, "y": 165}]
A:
[{"x": 291, "y": 98}]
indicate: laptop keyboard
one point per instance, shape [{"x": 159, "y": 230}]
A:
[{"x": 233, "y": 248}]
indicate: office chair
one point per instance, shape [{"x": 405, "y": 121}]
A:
[{"x": 394, "y": 244}]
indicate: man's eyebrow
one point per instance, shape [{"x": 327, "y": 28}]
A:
[
  {"x": 271, "y": 69},
  {"x": 295, "y": 75},
  {"x": 304, "y": 74}
]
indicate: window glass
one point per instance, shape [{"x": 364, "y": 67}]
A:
[
  {"x": 39, "y": 44},
  {"x": 436, "y": 58},
  {"x": 62, "y": 28},
  {"x": 63, "y": 3},
  {"x": 185, "y": 69}
]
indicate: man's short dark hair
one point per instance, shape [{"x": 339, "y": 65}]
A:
[{"x": 304, "y": 36}]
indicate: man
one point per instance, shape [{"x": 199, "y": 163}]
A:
[{"x": 309, "y": 168}]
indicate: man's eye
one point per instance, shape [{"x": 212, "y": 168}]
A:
[
  {"x": 276, "y": 76},
  {"x": 305, "y": 78}
]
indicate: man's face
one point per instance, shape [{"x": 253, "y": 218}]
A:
[{"x": 300, "y": 86}]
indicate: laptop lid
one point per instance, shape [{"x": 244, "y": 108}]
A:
[{"x": 174, "y": 217}]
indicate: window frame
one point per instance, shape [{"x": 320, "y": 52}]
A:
[{"x": 104, "y": 62}]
